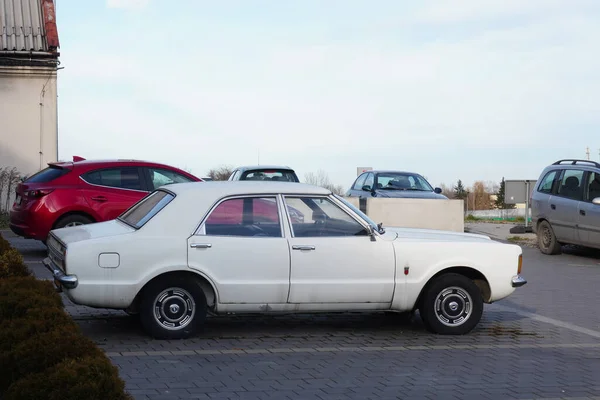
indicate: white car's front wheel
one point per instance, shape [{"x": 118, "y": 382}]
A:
[
  {"x": 173, "y": 307},
  {"x": 452, "y": 305}
]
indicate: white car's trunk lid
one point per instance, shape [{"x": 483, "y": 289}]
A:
[{"x": 92, "y": 231}]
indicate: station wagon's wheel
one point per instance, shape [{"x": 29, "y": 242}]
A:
[
  {"x": 172, "y": 308},
  {"x": 451, "y": 305},
  {"x": 547, "y": 239}
]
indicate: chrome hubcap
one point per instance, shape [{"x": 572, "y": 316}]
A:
[
  {"x": 174, "y": 308},
  {"x": 73, "y": 224},
  {"x": 546, "y": 237},
  {"x": 453, "y": 306}
]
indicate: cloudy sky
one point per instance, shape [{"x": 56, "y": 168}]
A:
[{"x": 467, "y": 89}]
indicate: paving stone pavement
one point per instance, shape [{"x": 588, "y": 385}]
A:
[{"x": 542, "y": 342}]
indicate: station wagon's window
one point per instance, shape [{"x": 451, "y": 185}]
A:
[
  {"x": 548, "y": 182},
  {"x": 571, "y": 184},
  {"x": 247, "y": 217},
  {"x": 322, "y": 217},
  {"x": 160, "y": 177},
  {"x": 593, "y": 186},
  {"x": 122, "y": 178},
  {"x": 146, "y": 208}
]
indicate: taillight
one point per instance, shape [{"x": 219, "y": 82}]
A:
[{"x": 38, "y": 193}]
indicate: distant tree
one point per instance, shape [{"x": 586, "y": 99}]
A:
[
  {"x": 221, "y": 173},
  {"x": 481, "y": 197},
  {"x": 501, "y": 197},
  {"x": 322, "y": 179},
  {"x": 460, "y": 192}
]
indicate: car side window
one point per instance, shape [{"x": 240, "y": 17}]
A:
[
  {"x": 160, "y": 177},
  {"x": 370, "y": 181},
  {"x": 245, "y": 217},
  {"x": 121, "y": 178},
  {"x": 360, "y": 181},
  {"x": 592, "y": 188},
  {"x": 571, "y": 184},
  {"x": 547, "y": 183},
  {"x": 322, "y": 218}
]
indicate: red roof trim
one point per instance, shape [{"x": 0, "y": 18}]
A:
[{"x": 49, "y": 15}]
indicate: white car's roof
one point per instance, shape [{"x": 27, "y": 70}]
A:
[{"x": 217, "y": 189}]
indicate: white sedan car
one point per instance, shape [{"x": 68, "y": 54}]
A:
[{"x": 190, "y": 249}]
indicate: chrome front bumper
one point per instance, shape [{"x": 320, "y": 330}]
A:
[
  {"x": 60, "y": 278},
  {"x": 518, "y": 281}
]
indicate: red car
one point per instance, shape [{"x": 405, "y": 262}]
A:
[{"x": 85, "y": 191}]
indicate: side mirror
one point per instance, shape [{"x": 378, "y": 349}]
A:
[
  {"x": 437, "y": 190},
  {"x": 366, "y": 188},
  {"x": 371, "y": 233},
  {"x": 596, "y": 201}
]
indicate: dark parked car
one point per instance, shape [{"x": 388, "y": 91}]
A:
[
  {"x": 85, "y": 191},
  {"x": 393, "y": 184},
  {"x": 565, "y": 205},
  {"x": 264, "y": 173}
]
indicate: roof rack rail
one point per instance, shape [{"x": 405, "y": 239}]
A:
[{"x": 575, "y": 161}]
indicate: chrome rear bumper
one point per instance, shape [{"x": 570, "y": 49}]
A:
[
  {"x": 60, "y": 278},
  {"x": 518, "y": 281}
]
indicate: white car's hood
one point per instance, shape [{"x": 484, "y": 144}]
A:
[
  {"x": 92, "y": 231},
  {"x": 435, "y": 235}
]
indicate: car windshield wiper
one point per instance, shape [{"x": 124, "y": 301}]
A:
[{"x": 413, "y": 189}]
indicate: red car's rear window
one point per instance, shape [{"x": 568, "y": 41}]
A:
[{"x": 47, "y": 174}]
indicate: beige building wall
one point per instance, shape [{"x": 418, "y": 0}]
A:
[{"x": 28, "y": 118}]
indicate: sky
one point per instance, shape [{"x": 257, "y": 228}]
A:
[{"x": 468, "y": 89}]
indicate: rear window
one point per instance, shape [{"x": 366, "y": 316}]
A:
[
  {"x": 145, "y": 209},
  {"x": 270, "y": 175},
  {"x": 47, "y": 175}
]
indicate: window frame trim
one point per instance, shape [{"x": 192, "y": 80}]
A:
[
  {"x": 143, "y": 179},
  {"x": 332, "y": 199},
  {"x": 201, "y": 227},
  {"x": 137, "y": 228}
]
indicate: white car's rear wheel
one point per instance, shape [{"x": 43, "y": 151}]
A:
[
  {"x": 452, "y": 305},
  {"x": 173, "y": 308}
]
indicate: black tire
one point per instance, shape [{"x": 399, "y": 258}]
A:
[
  {"x": 73, "y": 220},
  {"x": 546, "y": 239},
  {"x": 458, "y": 297},
  {"x": 173, "y": 307}
]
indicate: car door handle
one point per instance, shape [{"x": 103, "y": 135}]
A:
[
  {"x": 582, "y": 212},
  {"x": 552, "y": 206},
  {"x": 99, "y": 198},
  {"x": 303, "y": 247},
  {"x": 200, "y": 245}
]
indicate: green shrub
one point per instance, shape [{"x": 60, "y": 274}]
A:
[
  {"x": 34, "y": 321},
  {"x": 19, "y": 301},
  {"x": 43, "y": 354},
  {"x": 12, "y": 264},
  {"x": 4, "y": 245},
  {"x": 44, "y": 350},
  {"x": 90, "y": 378}
]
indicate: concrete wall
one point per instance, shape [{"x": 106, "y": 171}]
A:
[
  {"x": 28, "y": 118},
  {"x": 445, "y": 215},
  {"x": 28, "y": 121}
]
